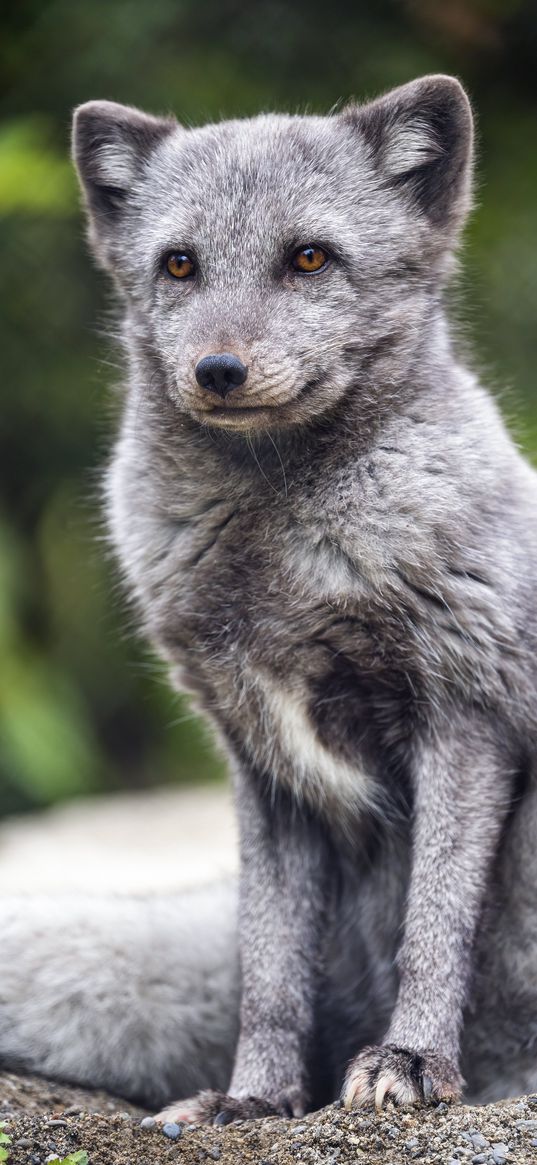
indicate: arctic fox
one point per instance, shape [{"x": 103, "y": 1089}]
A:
[{"x": 331, "y": 537}]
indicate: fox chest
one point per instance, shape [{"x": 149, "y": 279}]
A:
[{"x": 288, "y": 657}]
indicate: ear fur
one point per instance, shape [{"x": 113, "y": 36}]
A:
[
  {"x": 110, "y": 145},
  {"x": 421, "y": 138}
]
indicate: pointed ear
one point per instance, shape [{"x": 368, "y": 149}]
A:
[
  {"x": 110, "y": 146},
  {"x": 421, "y": 138}
]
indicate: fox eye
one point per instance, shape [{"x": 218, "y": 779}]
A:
[
  {"x": 180, "y": 266},
  {"x": 308, "y": 260}
]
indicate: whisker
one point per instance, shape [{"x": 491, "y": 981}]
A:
[
  {"x": 259, "y": 466},
  {"x": 278, "y": 454}
]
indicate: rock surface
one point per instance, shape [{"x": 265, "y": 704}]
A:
[
  {"x": 151, "y": 841},
  {"x": 46, "y": 1119}
]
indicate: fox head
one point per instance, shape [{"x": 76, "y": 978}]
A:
[{"x": 271, "y": 266}]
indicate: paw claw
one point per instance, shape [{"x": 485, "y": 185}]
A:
[
  {"x": 217, "y": 1109},
  {"x": 380, "y": 1092},
  {"x": 183, "y": 1112},
  {"x": 401, "y": 1075}
]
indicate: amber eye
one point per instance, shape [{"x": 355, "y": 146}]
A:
[
  {"x": 180, "y": 266},
  {"x": 308, "y": 260}
]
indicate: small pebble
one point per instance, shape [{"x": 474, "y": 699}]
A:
[
  {"x": 72, "y": 1110},
  {"x": 499, "y": 1153},
  {"x": 479, "y": 1141},
  {"x": 148, "y": 1122},
  {"x": 59, "y": 1121},
  {"x": 214, "y": 1154},
  {"x": 24, "y": 1143},
  {"x": 479, "y": 1159},
  {"x": 172, "y": 1130},
  {"x": 526, "y": 1124},
  {"x": 298, "y": 1129},
  {"x": 534, "y": 1143}
]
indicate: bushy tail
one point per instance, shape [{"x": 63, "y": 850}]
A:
[{"x": 139, "y": 996}]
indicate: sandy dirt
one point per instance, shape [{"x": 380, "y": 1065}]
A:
[{"x": 46, "y": 1119}]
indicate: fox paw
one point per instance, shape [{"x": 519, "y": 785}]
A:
[
  {"x": 403, "y": 1076},
  {"x": 216, "y": 1108}
]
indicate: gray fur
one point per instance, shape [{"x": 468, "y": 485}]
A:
[
  {"x": 136, "y": 995},
  {"x": 338, "y": 562}
]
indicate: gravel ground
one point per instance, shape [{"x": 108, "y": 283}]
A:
[{"x": 46, "y": 1120}]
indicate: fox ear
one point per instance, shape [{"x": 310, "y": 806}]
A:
[
  {"x": 421, "y": 137},
  {"x": 110, "y": 145}
]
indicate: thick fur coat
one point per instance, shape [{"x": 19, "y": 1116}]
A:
[{"x": 337, "y": 556}]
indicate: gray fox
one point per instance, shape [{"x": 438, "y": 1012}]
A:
[{"x": 331, "y": 538}]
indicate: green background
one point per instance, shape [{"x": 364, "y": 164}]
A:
[{"x": 83, "y": 707}]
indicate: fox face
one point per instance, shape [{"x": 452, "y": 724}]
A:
[{"x": 271, "y": 266}]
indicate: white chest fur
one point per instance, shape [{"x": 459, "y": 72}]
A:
[{"x": 301, "y": 761}]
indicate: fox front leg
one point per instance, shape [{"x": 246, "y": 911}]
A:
[
  {"x": 283, "y": 891},
  {"x": 462, "y": 786}
]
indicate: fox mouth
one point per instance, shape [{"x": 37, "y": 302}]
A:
[
  {"x": 230, "y": 414},
  {"x": 237, "y": 410}
]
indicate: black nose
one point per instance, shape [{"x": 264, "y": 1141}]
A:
[{"x": 221, "y": 373}]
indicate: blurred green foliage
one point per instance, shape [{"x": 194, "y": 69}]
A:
[{"x": 81, "y": 707}]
